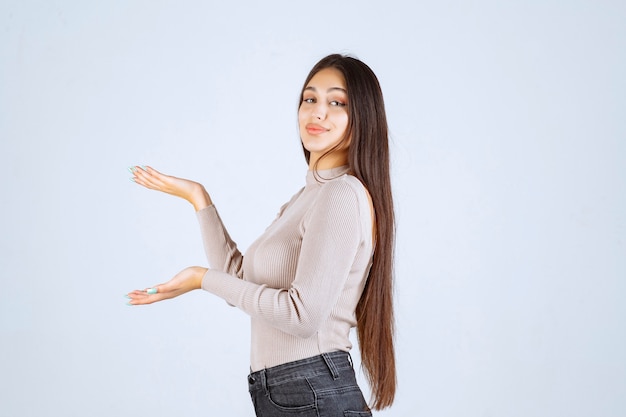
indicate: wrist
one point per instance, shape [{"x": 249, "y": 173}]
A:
[
  {"x": 200, "y": 198},
  {"x": 199, "y": 276}
]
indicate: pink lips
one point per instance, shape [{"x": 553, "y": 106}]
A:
[{"x": 315, "y": 129}]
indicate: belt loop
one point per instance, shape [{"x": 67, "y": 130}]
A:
[
  {"x": 331, "y": 365},
  {"x": 264, "y": 381},
  {"x": 350, "y": 360}
]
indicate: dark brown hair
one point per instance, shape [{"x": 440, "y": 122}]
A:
[{"x": 368, "y": 159}]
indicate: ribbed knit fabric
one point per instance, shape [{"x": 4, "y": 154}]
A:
[{"x": 301, "y": 280}]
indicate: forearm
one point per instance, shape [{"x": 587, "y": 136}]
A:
[{"x": 221, "y": 251}]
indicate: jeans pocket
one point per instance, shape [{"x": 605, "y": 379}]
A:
[{"x": 292, "y": 395}]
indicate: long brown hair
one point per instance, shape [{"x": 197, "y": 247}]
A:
[{"x": 368, "y": 159}]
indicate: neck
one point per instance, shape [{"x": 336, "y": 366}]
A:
[{"x": 329, "y": 161}]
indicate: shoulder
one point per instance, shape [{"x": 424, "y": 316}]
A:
[
  {"x": 342, "y": 206},
  {"x": 346, "y": 191},
  {"x": 345, "y": 183}
]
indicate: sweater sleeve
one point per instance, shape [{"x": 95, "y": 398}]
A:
[
  {"x": 221, "y": 251},
  {"x": 332, "y": 236}
]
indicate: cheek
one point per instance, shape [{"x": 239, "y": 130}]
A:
[
  {"x": 301, "y": 117},
  {"x": 343, "y": 121}
]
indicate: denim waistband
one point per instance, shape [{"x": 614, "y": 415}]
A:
[{"x": 304, "y": 368}]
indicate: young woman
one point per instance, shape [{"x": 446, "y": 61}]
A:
[{"x": 322, "y": 267}]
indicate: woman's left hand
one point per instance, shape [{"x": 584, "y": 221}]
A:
[
  {"x": 186, "y": 280},
  {"x": 192, "y": 191}
]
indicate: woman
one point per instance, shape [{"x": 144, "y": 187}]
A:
[{"x": 314, "y": 273}]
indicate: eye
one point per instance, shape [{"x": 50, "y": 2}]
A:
[
  {"x": 308, "y": 100},
  {"x": 337, "y": 103}
]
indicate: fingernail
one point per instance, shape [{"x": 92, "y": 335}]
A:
[
  {"x": 132, "y": 169},
  {"x": 144, "y": 168},
  {"x": 132, "y": 179},
  {"x": 129, "y": 304},
  {"x": 126, "y": 295},
  {"x": 152, "y": 291}
]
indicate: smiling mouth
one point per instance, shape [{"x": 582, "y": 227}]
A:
[{"x": 315, "y": 129}]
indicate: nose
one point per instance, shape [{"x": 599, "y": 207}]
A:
[{"x": 319, "y": 111}]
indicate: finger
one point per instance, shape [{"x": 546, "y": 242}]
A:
[
  {"x": 144, "y": 299},
  {"x": 136, "y": 297},
  {"x": 146, "y": 296},
  {"x": 150, "y": 173},
  {"x": 142, "y": 179},
  {"x": 138, "y": 175},
  {"x": 150, "y": 178},
  {"x": 140, "y": 172},
  {"x": 151, "y": 170}
]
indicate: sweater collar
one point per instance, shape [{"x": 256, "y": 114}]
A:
[{"x": 324, "y": 175}]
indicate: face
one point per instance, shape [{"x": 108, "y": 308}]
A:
[{"x": 323, "y": 117}]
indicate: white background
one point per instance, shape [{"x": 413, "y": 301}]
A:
[{"x": 509, "y": 168}]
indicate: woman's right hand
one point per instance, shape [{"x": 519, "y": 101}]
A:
[
  {"x": 188, "y": 190},
  {"x": 188, "y": 279}
]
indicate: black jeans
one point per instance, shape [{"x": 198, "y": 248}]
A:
[{"x": 321, "y": 386}]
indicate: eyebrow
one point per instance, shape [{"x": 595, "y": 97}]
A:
[{"x": 329, "y": 90}]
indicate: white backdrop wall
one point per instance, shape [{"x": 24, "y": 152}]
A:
[{"x": 509, "y": 171}]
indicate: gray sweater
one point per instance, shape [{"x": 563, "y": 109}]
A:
[{"x": 301, "y": 280}]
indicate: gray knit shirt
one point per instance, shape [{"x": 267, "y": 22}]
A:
[{"x": 301, "y": 280}]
